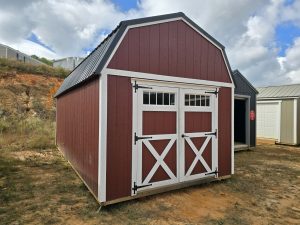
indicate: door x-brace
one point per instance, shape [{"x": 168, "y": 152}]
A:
[
  {"x": 160, "y": 160},
  {"x": 198, "y": 154}
]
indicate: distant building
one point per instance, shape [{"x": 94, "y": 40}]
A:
[
  {"x": 10, "y": 53},
  {"x": 278, "y": 113},
  {"x": 68, "y": 63}
]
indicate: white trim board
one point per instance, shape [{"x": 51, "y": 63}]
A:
[
  {"x": 102, "y": 138},
  {"x": 295, "y": 121},
  {"x": 164, "y": 21},
  {"x": 151, "y": 76}
]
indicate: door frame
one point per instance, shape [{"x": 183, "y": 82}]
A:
[
  {"x": 247, "y": 99},
  {"x": 135, "y": 127}
]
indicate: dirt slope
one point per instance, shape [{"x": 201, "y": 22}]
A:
[{"x": 28, "y": 95}]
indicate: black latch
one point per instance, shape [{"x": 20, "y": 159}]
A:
[
  {"x": 183, "y": 136},
  {"x": 136, "y": 86},
  {"x": 214, "y": 172},
  {"x": 216, "y": 92},
  {"x": 136, "y": 138},
  {"x": 135, "y": 187},
  {"x": 212, "y": 133}
]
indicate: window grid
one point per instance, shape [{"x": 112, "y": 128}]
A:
[
  {"x": 158, "y": 98},
  {"x": 197, "y": 100}
]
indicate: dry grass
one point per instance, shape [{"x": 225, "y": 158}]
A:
[
  {"x": 37, "y": 186},
  {"x": 8, "y": 66}
]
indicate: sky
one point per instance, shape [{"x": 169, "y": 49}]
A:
[{"x": 261, "y": 37}]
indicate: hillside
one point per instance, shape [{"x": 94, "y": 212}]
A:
[{"x": 27, "y": 106}]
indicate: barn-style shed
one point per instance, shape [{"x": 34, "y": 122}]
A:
[
  {"x": 149, "y": 110},
  {"x": 244, "y": 112}
]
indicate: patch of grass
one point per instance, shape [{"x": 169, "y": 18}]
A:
[{"x": 8, "y": 66}]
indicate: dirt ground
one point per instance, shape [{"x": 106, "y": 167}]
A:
[{"x": 39, "y": 187}]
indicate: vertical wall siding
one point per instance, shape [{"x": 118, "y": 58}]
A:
[
  {"x": 243, "y": 88},
  {"x": 173, "y": 49},
  {"x": 298, "y": 121},
  {"x": 78, "y": 130},
  {"x": 119, "y": 137},
  {"x": 224, "y": 132},
  {"x": 287, "y": 121}
]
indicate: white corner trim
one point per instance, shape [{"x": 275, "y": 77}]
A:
[
  {"x": 232, "y": 130},
  {"x": 151, "y": 76},
  {"x": 165, "y": 21},
  {"x": 279, "y": 121},
  {"x": 102, "y": 138},
  {"x": 295, "y": 121}
]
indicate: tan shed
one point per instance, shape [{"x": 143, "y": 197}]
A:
[{"x": 278, "y": 113}]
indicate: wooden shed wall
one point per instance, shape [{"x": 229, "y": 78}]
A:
[
  {"x": 173, "y": 49},
  {"x": 224, "y": 131},
  {"x": 78, "y": 130},
  {"x": 119, "y": 137}
]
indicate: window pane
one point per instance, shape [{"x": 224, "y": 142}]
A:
[
  {"x": 166, "y": 99},
  {"x": 187, "y": 100},
  {"x": 146, "y": 98},
  {"x": 202, "y": 100},
  {"x": 159, "y": 98},
  {"x": 197, "y": 100},
  {"x": 192, "y": 100},
  {"x": 172, "y": 99},
  {"x": 153, "y": 98},
  {"x": 207, "y": 101}
]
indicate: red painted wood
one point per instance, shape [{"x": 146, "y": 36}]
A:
[
  {"x": 171, "y": 49},
  {"x": 197, "y": 122},
  {"x": 149, "y": 161},
  {"x": 78, "y": 130},
  {"x": 224, "y": 131},
  {"x": 159, "y": 123},
  {"x": 119, "y": 137}
]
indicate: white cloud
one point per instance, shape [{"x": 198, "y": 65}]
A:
[{"x": 246, "y": 28}]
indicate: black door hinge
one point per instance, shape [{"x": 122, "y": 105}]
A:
[
  {"x": 216, "y": 92},
  {"x": 135, "y": 187},
  {"x": 214, "y": 172},
  {"x": 136, "y": 86},
  {"x": 212, "y": 133},
  {"x": 137, "y": 138}
]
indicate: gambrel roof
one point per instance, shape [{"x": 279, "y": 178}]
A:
[{"x": 93, "y": 64}]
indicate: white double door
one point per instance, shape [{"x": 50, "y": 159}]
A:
[{"x": 174, "y": 135}]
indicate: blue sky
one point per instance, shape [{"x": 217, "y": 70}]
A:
[{"x": 261, "y": 37}]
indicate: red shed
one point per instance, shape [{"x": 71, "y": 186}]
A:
[{"x": 149, "y": 110}]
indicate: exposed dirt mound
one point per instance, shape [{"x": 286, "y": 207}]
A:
[{"x": 28, "y": 94}]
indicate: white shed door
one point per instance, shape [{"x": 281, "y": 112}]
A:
[{"x": 268, "y": 119}]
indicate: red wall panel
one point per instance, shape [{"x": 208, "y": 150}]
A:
[
  {"x": 173, "y": 49},
  {"x": 119, "y": 137},
  {"x": 78, "y": 130},
  {"x": 224, "y": 131}
]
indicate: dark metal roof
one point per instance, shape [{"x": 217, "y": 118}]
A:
[
  {"x": 93, "y": 64},
  {"x": 241, "y": 83}
]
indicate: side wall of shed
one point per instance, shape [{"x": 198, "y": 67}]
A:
[
  {"x": 287, "y": 121},
  {"x": 77, "y": 131},
  {"x": 298, "y": 121}
]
